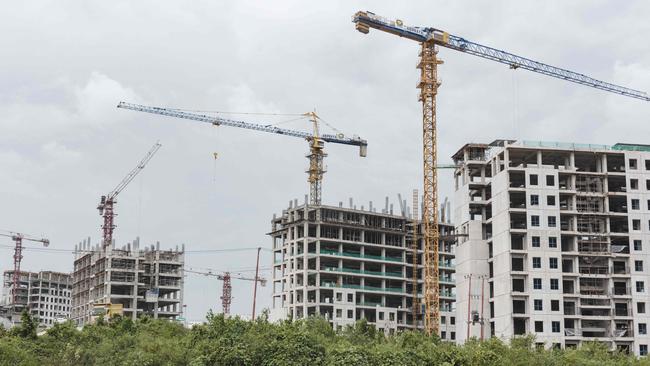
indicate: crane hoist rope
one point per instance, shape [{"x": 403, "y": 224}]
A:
[{"x": 429, "y": 38}]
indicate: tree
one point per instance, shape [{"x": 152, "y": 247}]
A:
[
  {"x": 28, "y": 326},
  {"x": 234, "y": 341}
]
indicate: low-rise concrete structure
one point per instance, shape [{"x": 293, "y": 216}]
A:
[{"x": 147, "y": 281}]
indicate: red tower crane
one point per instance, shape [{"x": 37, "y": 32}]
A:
[
  {"x": 18, "y": 256},
  {"x": 226, "y": 293},
  {"x": 107, "y": 202}
]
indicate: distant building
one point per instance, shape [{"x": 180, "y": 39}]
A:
[
  {"x": 347, "y": 264},
  {"x": 46, "y": 295},
  {"x": 146, "y": 281}
]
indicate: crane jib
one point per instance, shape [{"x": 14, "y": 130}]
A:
[
  {"x": 233, "y": 123},
  {"x": 446, "y": 40}
]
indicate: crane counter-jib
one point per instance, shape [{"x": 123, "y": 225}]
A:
[{"x": 215, "y": 120}]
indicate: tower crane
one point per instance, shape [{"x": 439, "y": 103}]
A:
[
  {"x": 315, "y": 139},
  {"x": 18, "y": 256},
  {"x": 429, "y": 38},
  {"x": 226, "y": 293},
  {"x": 107, "y": 202}
]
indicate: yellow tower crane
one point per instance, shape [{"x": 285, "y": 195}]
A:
[{"x": 429, "y": 38}]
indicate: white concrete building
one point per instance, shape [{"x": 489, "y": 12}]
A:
[
  {"x": 559, "y": 235},
  {"x": 46, "y": 295},
  {"x": 347, "y": 264}
]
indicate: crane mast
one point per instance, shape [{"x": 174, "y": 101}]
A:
[
  {"x": 316, "y": 140},
  {"x": 429, "y": 38},
  {"x": 107, "y": 202},
  {"x": 316, "y": 157},
  {"x": 414, "y": 247},
  {"x": 18, "y": 257}
]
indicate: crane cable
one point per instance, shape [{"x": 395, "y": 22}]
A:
[
  {"x": 299, "y": 115},
  {"x": 515, "y": 104},
  {"x": 242, "y": 113}
]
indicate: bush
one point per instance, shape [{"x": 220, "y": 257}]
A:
[{"x": 233, "y": 341}]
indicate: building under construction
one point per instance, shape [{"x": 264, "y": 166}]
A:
[
  {"x": 140, "y": 281},
  {"x": 559, "y": 232},
  {"x": 347, "y": 264},
  {"x": 45, "y": 294}
]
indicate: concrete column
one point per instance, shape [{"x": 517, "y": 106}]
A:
[{"x": 497, "y": 163}]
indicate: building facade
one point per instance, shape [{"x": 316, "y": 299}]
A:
[
  {"x": 46, "y": 295},
  {"x": 146, "y": 281},
  {"x": 557, "y": 245},
  {"x": 346, "y": 264}
]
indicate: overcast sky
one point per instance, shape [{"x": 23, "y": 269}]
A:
[{"x": 65, "y": 65}]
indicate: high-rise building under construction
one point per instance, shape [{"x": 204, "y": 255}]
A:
[
  {"x": 559, "y": 235},
  {"x": 347, "y": 264}
]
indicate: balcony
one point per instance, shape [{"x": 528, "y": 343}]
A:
[
  {"x": 447, "y": 280},
  {"x": 447, "y": 294},
  {"x": 518, "y": 307},
  {"x": 365, "y": 288},
  {"x": 568, "y": 268},
  {"x": 622, "y": 312},
  {"x": 572, "y": 332},
  {"x": 518, "y": 225},
  {"x": 370, "y": 304},
  {"x": 594, "y": 270},
  {"x": 360, "y": 271},
  {"x": 595, "y": 312},
  {"x": 566, "y": 206},
  {"x": 517, "y": 264},
  {"x": 569, "y": 308},
  {"x": 566, "y": 225},
  {"x": 621, "y": 291},
  {"x": 359, "y": 255}
]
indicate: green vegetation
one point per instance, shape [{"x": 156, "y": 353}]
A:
[{"x": 233, "y": 341}]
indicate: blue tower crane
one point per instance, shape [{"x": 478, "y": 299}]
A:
[{"x": 316, "y": 139}]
